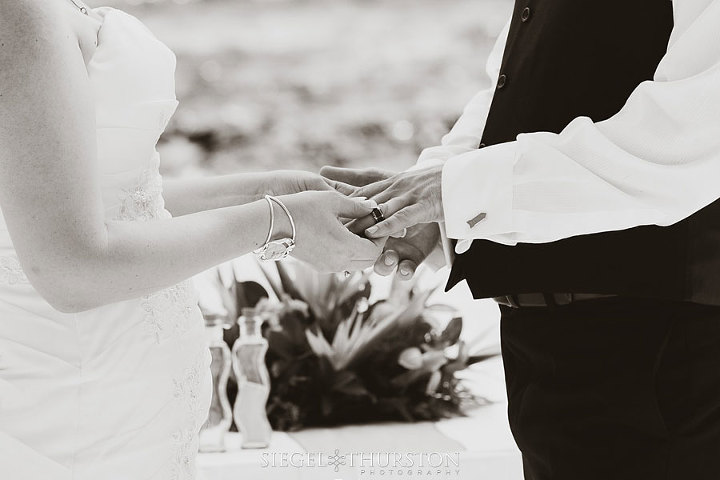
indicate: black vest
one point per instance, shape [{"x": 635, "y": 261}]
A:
[{"x": 571, "y": 58}]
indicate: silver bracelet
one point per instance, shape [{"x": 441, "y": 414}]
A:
[
  {"x": 272, "y": 220},
  {"x": 275, "y": 250}
]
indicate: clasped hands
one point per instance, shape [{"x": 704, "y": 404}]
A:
[{"x": 411, "y": 204}]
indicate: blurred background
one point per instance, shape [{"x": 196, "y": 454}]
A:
[{"x": 273, "y": 84}]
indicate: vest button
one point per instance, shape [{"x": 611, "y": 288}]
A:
[
  {"x": 525, "y": 15},
  {"x": 502, "y": 81}
]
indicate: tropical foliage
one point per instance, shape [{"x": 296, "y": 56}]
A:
[{"x": 335, "y": 358}]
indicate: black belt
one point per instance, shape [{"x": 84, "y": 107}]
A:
[{"x": 546, "y": 299}]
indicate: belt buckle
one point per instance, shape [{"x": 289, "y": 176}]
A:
[{"x": 563, "y": 298}]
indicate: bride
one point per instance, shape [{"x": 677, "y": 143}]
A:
[{"x": 103, "y": 370}]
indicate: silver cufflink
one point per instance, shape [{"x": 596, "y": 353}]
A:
[{"x": 474, "y": 221}]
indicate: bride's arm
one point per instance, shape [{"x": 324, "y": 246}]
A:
[
  {"x": 190, "y": 195},
  {"x": 52, "y": 204}
]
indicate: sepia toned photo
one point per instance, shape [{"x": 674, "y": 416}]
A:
[{"x": 359, "y": 240}]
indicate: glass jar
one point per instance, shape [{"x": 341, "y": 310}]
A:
[
  {"x": 212, "y": 433},
  {"x": 248, "y": 356}
]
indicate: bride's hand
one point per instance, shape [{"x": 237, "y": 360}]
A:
[
  {"x": 322, "y": 239},
  {"x": 285, "y": 182}
]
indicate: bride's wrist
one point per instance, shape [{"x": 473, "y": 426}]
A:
[
  {"x": 280, "y": 240},
  {"x": 252, "y": 187},
  {"x": 271, "y": 186},
  {"x": 278, "y": 222},
  {"x": 283, "y": 228}
]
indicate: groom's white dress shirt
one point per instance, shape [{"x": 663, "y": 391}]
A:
[{"x": 655, "y": 162}]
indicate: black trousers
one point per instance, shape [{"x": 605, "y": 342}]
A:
[{"x": 615, "y": 389}]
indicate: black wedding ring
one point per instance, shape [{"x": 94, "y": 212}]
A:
[{"x": 377, "y": 215}]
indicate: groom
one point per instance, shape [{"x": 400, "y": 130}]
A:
[{"x": 580, "y": 192}]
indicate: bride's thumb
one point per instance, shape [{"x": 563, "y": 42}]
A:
[{"x": 354, "y": 207}]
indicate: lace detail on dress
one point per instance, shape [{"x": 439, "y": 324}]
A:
[
  {"x": 11, "y": 272},
  {"x": 188, "y": 394},
  {"x": 169, "y": 312},
  {"x": 144, "y": 201}
]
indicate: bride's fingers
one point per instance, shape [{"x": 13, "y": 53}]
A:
[
  {"x": 352, "y": 207},
  {"x": 364, "y": 251},
  {"x": 357, "y": 177},
  {"x": 359, "y": 225}
]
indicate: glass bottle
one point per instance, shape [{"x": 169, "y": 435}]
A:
[
  {"x": 248, "y": 356},
  {"x": 212, "y": 434}
]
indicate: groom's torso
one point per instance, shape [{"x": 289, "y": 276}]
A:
[{"x": 571, "y": 58}]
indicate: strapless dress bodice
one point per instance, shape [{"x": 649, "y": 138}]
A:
[{"x": 132, "y": 75}]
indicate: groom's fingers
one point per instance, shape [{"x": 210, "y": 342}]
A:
[
  {"x": 388, "y": 209},
  {"x": 375, "y": 189},
  {"x": 341, "y": 187},
  {"x": 406, "y": 269},
  {"x": 353, "y": 176},
  {"x": 405, "y": 218},
  {"x": 390, "y": 260},
  {"x": 387, "y": 262}
]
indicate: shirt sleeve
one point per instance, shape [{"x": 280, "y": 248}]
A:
[{"x": 656, "y": 162}]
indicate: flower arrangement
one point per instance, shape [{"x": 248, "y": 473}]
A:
[{"x": 336, "y": 358}]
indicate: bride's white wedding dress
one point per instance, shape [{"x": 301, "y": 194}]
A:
[{"x": 119, "y": 392}]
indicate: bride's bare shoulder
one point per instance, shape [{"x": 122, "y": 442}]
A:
[
  {"x": 29, "y": 27},
  {"x": 40, "y": 55},
  {"x": 33, "y": 30},
  {"x": 29, "y": 16}
]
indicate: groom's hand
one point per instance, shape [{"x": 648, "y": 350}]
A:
[
  {"x": 401, "y": 254},
  {"x": 405, "y": 254},
  {"x": 405, "y": 199}
]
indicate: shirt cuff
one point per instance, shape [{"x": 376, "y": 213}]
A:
[
  {"x": 426, "y": 163},
  {"x": 477, "y": 193},
  {"x": 447, "y": 249}
]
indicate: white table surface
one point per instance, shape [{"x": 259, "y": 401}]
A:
[
  {"x": 480, "y": 443},
  {"x": 487, "y": 452}
]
